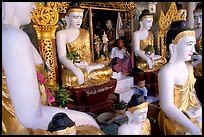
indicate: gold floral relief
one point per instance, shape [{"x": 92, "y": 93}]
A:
[
  {"x": 164, "y": 23},
  {"x": 45, "y": 15}
]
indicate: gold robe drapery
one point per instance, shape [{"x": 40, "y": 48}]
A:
[{"x": 184, "y": 98}]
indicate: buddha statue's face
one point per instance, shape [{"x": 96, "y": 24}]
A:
[
  {"x": 140, "y": 115},
  {"x": 186, "y": 47},
  {"x": 198, "y": 19},
  {"x": 147, "y": 23},
  {"x": 23, "y": 12},
  {"x": 76, "y": 19}
]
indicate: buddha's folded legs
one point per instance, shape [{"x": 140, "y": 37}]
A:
[
  {"x": 96, "y": 77},
  {"x": 143, "y": 65}
]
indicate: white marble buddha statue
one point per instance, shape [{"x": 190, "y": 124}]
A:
[
  {"x": 138, "y": 123},
  {"x": 22, "y": 111},
  {"x": 143, "y": 41},
  {"x": 75, "y": 39},
  {"x": 181, "y": 111}
]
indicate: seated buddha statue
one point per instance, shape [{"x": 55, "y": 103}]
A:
[
  {"x": 146, "y": 60},
  {"x": 181, "y": 111},
  {"x": 197, "y": 58},
  {"x": 74, "y": 39},
  {"x": 138, "y": 123},
  {"x": 22, "y": 108}
]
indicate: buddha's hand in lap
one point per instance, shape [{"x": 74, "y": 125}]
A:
[
  {"x": 155, "y": 57},
  {"x": 91, "y": 67},
  {"x": 150, "y": 63},
  {"x": 79, "y": 75}
]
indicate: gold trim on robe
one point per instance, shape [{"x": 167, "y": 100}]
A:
[{"x": 184, "y": 98}]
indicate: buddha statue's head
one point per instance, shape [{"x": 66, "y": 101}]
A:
[
  {"x": 137, "y": 109},
  {"x": 146, "y": 20},
  {"x": 61, "y": 124},
  {"x": 197, "y": 13},
  {"x": 181, "y": 11},
  {"x": 180, "y": 41},
  {"x": 74, "y": 15},
  {"x": 17, "y": 13}
]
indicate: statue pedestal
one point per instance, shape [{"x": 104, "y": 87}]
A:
[{"x": 93, "y": 99}]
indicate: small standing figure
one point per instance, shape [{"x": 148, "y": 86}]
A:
[
  {"x": 105, "y": 44},
  {"x": 138, "y": 123}
]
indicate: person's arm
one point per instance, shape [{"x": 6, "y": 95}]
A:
[
  {"x": 166, "y": 98},
  {"x": 62, "y": 56},
  {"x": 138, "y": 52}
]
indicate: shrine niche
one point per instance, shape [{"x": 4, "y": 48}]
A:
[
  {"x": 97, "y": 13},
  {"x": 164, "y": 22}
]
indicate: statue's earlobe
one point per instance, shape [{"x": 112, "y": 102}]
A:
[
  {"x": 130, "y": 116},
  {"x": 141, "y": 26},
  {"x": 173, "y": 52}
]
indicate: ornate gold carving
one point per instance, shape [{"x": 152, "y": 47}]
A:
[
  {"x": 45, "y": 19},
  {"x": 123, "y": 6},
  {"x": 164, "y": 23},
  {"x": 45, "y": 15}
]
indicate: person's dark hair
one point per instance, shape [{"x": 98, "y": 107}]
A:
[
  {"x": 144, "y": 13},
  {"x": 175, "y": 28},
  {"x": 135, "y": 100},
  {"x": 60, "y": 121}
]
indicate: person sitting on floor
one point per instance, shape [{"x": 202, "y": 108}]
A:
[{"x": 120, "y": 59}]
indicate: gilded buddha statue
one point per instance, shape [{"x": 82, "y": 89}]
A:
[
  {"x": 74, "y": 39},
  {"x": 181, "y": 111},
  {"x": 138, "y": 123},
  {"x": 146, "y": 60},
  {"x": 23, "y": 111}
]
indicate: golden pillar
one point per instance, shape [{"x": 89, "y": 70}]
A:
[{"x": 45, "y": 20}]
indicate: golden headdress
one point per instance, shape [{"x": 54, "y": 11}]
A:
[
  {"x": 66, "y": 131},
  {"x": 141, "y": 106},
  {"x": 74, "y": 7},
  {"x": 182, "y": 34}
]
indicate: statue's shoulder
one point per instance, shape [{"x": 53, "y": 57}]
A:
[
  {"x": 13, "y": 34},
  {"x": 84, "y": 31},
  {"x": 62, "y": 32},
  {"x": 167, "y": 70}
]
